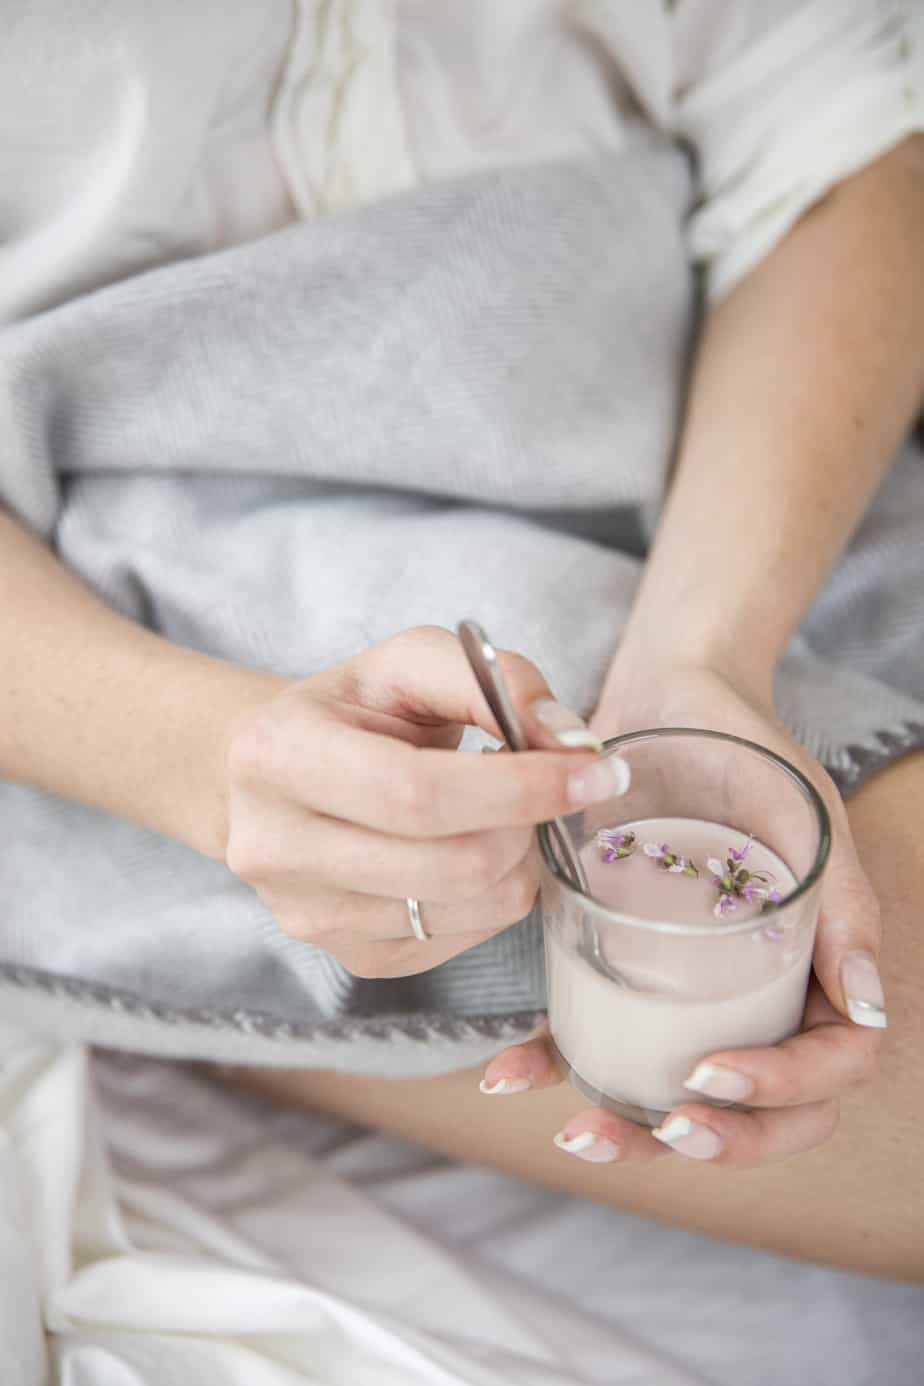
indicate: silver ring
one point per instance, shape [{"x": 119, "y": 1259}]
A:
[{"x": 413, "y": 914}]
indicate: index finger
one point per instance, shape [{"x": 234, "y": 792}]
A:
[{"x": 407, "y": 791}]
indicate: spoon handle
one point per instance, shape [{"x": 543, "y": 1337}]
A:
[{"x": 482, "y": 657}]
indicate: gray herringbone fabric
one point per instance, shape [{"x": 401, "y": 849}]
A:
[{"x": 458, "y": 402}]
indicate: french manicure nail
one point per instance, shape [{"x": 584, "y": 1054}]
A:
[
  {"x": 503, "y": 1086},
  {"x": 689, "y": 1138},
  {"x": 607, "y": 778},
  {"x": 724, "y": 1084},
  {"x": 565, "y": 725},
  {"x": 863, "y": 990},
  {"x": 597, "y": 1150}
]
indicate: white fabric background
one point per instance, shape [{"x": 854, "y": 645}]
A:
[
  {"x": 134, "y": 133},
  {"x": 168, "y": 1232}
]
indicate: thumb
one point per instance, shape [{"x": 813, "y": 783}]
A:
[{"x": 847, "y": 946}]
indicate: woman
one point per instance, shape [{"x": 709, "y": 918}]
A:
[{"x": 339, "y": 796}]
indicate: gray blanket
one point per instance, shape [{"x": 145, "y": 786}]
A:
[{"x": 457, "y": 402}]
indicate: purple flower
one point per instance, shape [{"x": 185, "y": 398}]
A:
[
  {"x": 733, "y": 881},
  {"x": 722, "y": 877},
  {"x": 615, "y": 844},
  {"x": 670, "y": 860}
]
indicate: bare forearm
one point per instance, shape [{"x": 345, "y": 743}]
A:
[
  {"x": 806, "y": 379},
  {"x": 98, "y": 709}
]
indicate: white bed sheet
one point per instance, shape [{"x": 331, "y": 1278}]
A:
[{"x": 164, "y": 1231}]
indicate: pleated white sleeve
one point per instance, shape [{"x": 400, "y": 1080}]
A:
[{"x": 779, "y": 102}]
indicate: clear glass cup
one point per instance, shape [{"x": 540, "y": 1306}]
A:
[{"x": 635, "y": 1003}]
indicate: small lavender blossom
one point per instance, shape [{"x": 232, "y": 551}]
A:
[
  {"x": 726, "y": 904},
  {"x": 670, "y": 860},
  {"x": 734, "y": 880},
  {"x": 615, "y": 844},
  {"x": 721, "y": 878}
]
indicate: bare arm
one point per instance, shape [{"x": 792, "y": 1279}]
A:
[
  {"x": 98, "y": 709},
  {"x": 334, "y": 796},
  {"x": 807, "y": 377}
]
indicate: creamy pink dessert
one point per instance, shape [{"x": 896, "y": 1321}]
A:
[{"x": 634, "y": 1009}]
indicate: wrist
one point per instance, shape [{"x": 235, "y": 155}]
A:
[
  {"x": 200, "y": 701},
  {"x": 664, "y": 655},
  {"x": 693, "y": 612}
]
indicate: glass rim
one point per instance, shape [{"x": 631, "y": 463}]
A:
[{"x": 795, "y": 775}]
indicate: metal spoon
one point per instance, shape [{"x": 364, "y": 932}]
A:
[{"x": 483, "y": 658}]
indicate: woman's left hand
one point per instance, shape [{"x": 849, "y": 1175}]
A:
[{"x": 794, "y": 1087}]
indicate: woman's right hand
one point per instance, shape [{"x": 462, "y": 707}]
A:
[{"x": 345, "y": 795}]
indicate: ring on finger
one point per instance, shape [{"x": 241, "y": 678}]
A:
[{"x": 413, "y": 914}]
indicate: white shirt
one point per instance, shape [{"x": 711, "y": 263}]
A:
[{"x": 133, "y": 133}]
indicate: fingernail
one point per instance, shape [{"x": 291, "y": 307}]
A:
[
  {"x": 504, "y": 1086},
  {"x": 607, "y": 778},
  {"x": 863, "y": 990},
  {"x": 565, "y": 725},
  {"x": 596, "y": 1150},
  {"x": 722, "y": 1083},
  {"x": 689, "y": 1138}
]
